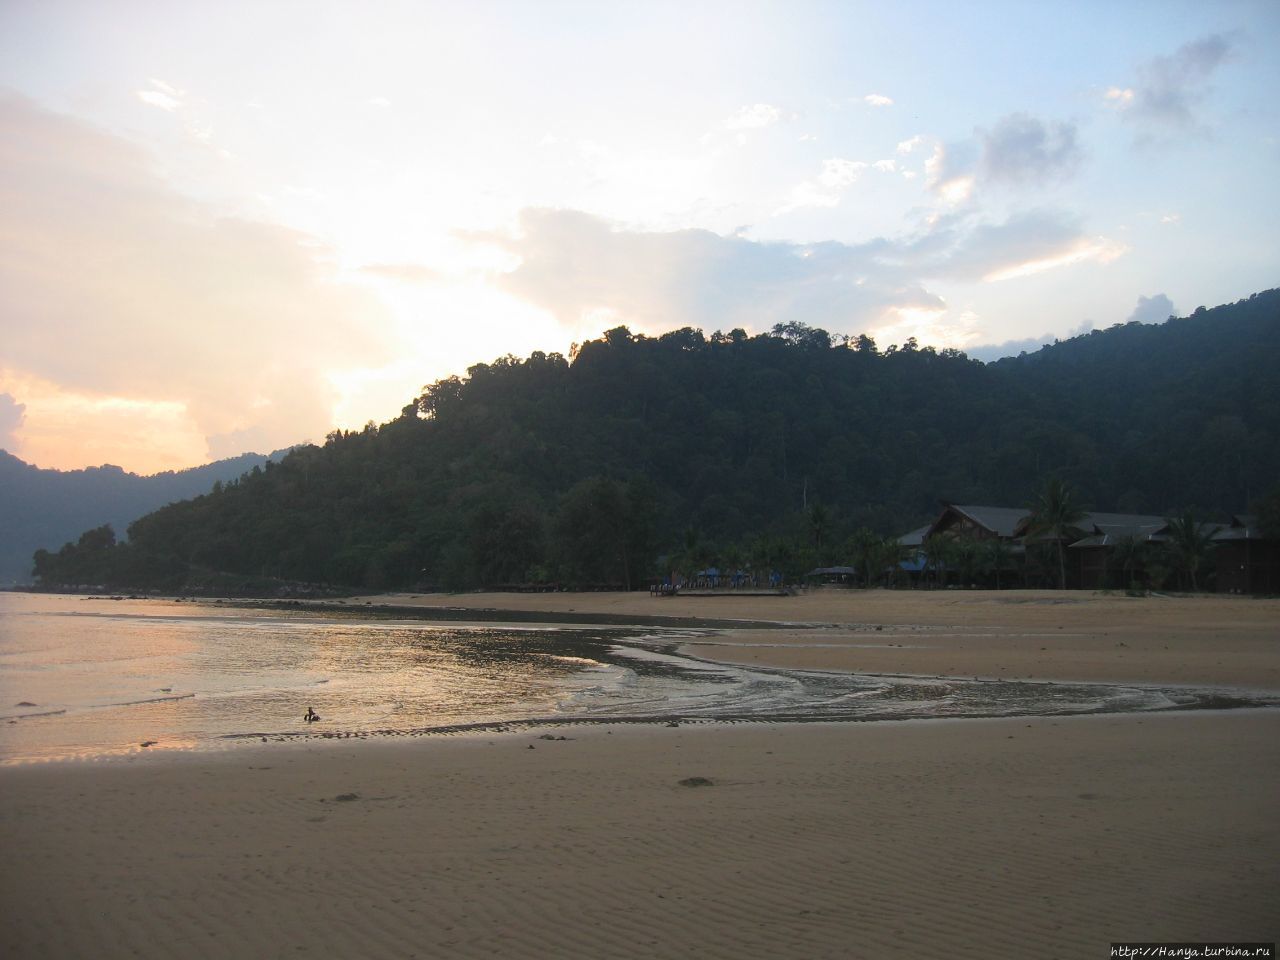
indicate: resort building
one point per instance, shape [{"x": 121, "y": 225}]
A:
[{"x": 1101, "y": 550}]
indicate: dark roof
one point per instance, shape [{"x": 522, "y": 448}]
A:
[
  {"x": 916, "y": 537},
  {"x": 1107, "y": 534},
  {"x": 1243, "y": 526},
  {"x": 1156, "y": 531},
  {"x": 1099, "y": 529},
  {"x": 1114, "y": 524},
  {"x": 999, "y": 520}
]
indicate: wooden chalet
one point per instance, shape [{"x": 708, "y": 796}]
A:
[
  {"x": 1093, "y": 553},
  {"x": 1246, "y": 561},
  {"x": 983, "y": 523}
]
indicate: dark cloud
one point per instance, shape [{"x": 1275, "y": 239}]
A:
[
  {"x": 12, "y": 414},
  {"x": 1020, "y": 149},
  {"x": 1156, "y": 308},
  {"x": 1170, "y": 89}
]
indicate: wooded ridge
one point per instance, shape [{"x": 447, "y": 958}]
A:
[{"x": 586, "y": 470}]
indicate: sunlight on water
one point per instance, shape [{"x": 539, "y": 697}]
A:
[{"x": 91, "y": 677}]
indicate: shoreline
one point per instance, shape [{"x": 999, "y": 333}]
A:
[
  {"x": 1008, "y": 837},
  {"x": 1063, "y": 636}
]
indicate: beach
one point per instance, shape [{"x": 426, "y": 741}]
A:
[
  {"x": 1042, "y": 837},
  {"x": 1023, "y": 634}
]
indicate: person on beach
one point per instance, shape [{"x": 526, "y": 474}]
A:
[{"x": 311, "y": 716}]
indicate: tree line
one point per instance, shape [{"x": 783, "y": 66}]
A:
[{"x": 635, "y": 456}]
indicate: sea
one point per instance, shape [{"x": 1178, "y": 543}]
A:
[{"x": 97, "y": 677}]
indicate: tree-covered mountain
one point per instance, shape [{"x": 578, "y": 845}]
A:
[
  {"x": 42, "y": 507},
  {"x": 775, "y": 447}
]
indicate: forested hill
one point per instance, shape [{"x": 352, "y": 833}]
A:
[
  {"x": 720, "y": 447},
  {"x": 42, "y": 507}
]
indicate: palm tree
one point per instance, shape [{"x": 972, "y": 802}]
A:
[
  {"x": 1054, "y": 515},
  {"x": 1129, "y": 552},
  {"x": 885, "y": 555},
  {"x": 967, "y": 556},
  {"x": 859, "y": 548},
  {"x": 940, "y": 551},
  {"x": 996, "y": 556},
  {"x": 1189, "y": 544}
]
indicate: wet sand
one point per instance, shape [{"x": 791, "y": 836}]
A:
[
  {"x": 1040, "y": 635},
  {"x": 975, "y": 838}
]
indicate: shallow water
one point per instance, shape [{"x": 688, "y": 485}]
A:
[{"x": 94, "y": 677}]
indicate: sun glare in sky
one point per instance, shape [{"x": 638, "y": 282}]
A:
[{"x": 232, "y": 227}]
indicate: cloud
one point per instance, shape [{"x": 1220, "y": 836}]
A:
[
  {"x": 12, "y": 413},
  {"x": 581, "y": 268},
  {"x": 1170, "y": 88},
  {"x": 877, "y": 100},
  {"x": 1156, "y": 308},
  {"x": 1024, "y": 244},
  {"x": 1011, "y": 348},
  {"x": 838, "y": 173},
  {"x": 949, "y": 172},
  {"x": 404, "y": 272},
  {"x": 1084, "y": 249},
  {"x": 1119, "y": 98},
  {"x": 111, "y": 284},
  {"x": 585, "y": 270},
  {"x": 162, "y": 95},
  {"x": 1020, "y": 149},
  {"x": 836, "y": 176},
  {"x": 754, "y": 117}
]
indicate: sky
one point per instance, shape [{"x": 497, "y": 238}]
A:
[{"x": 231, "y": 227}]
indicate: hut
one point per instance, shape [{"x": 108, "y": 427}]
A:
[{"x": 1247, "y": 560}]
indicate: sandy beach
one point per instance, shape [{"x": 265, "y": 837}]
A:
[{"x": 1018, "y": 838}]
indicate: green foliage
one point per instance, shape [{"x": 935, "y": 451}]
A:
[
  {"x": 88, "y": 561},
  {"x": 1054, "y": 515},
  {"x": 995, "y": 558},
  {"x": 586, "y": 472},
  {"x": 1129, "y": 554},
  {"x": 604, "y": 533},
  {"x": 1189, "y": 546}
]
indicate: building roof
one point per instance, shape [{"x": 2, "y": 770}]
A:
[
  {"x": 1108, "y": 534},
  {"x": 1113, "y": 524},
  {"x": 1099, "y": 529},
  {"x": 916, "y": 537},
  {"x": 1002, "y": 521},
  {"x": 1243, "y": 526}
]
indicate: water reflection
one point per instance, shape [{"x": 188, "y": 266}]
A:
[{"x": 84, "y": 678}]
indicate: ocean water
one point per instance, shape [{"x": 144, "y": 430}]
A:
[{"x": 93, "y": 677}]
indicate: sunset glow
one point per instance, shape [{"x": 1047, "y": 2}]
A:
[{"x": 232, "y": 227}]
